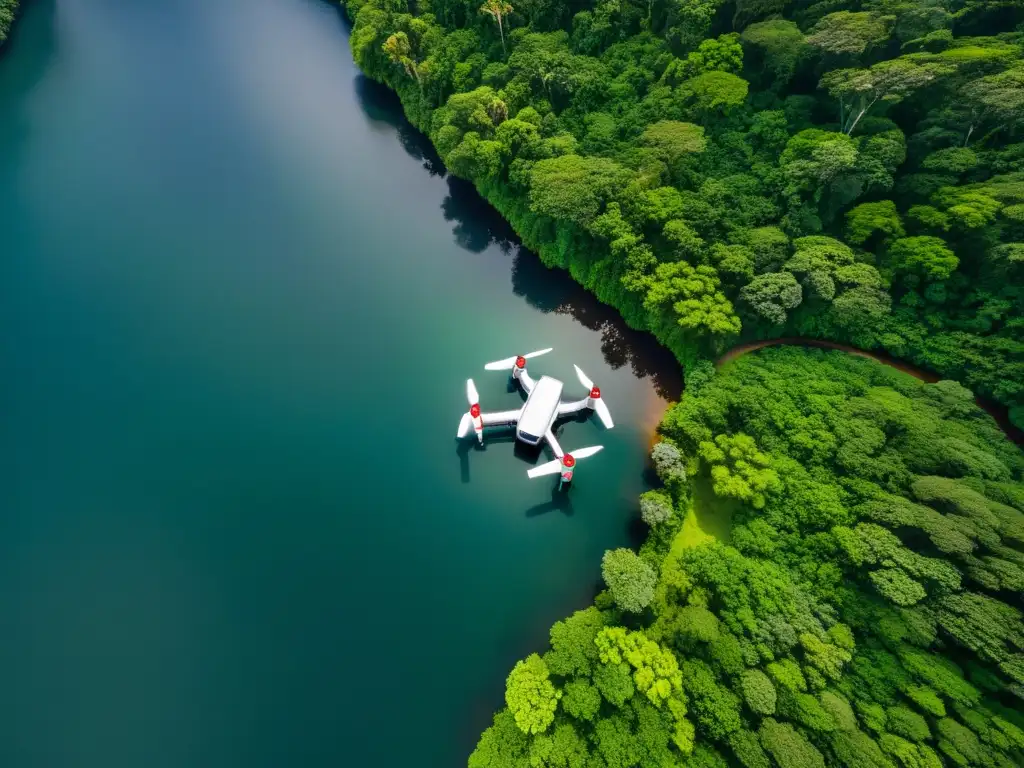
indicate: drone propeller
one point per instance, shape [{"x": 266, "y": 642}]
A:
[
  {"x": 472, "y": 418},
  {"x": 564, "y": 465},
  {"x": 596, "y": 402},
  {"x": 508, "y": 362}
]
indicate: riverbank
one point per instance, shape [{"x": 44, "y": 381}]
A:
[
  {"x": 610, "y": 257},
  {"x": 8, "y": 12}
]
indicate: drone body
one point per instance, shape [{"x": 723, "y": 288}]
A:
[{"x": 534, "y": 420}]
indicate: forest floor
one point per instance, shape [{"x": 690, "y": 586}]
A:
[{"x": 709, "y": 517}]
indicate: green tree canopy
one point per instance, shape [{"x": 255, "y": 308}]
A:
[{"x": 629, "y": 578}]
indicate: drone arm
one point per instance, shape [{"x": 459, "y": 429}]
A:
[
  {"x": 564, "y": 409},
  {"x": 553, "y": 443},
  {"x": 526, "y": 381},
  {"x": 501, "y": 418}
]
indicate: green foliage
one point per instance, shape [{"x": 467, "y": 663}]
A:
[
  {"x": 869, "y": 219},
  {"x": 715, "y": 707},
  {"x": 572, "y": 643},
  {"x": 738, "y": 469},
  {"x": 630, "y": 580},
  {"x": 758, "y": 692},
  {"x": 855, "y": 622},
  {"x": 615, "y": 683},
  {"x": 8, "y": 11},
  {"x": 503, "y": 745},
  {"x": 673, "y": 139},
  {"x": 770, "y": 296},
  {"x": 787, "y": 746},
  {"x": 710, "y": 186},
  {"x": 581, "y": 700},
  {"x": 907, "y": 723},
  {"x": 926, "y": 256},
  {"x": 667, "y": 168},
  {"x": 669, "y": 464},
  {"x": 572, "y": 187},
  {"x": 530, "y": 696},
  {"x": 655, "y": 507},
  {"x": 656, "y": 672}
]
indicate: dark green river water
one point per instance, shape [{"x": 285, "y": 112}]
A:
[{"x": 238, "y": 303}]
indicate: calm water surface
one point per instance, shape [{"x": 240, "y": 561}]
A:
[{"x": 238, "y": 302}]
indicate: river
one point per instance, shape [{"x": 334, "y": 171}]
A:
[{"x": 238, "y": 303}]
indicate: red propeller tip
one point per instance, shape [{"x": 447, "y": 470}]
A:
[
  {"x": 595, "y": 393},
  {"x": 520, "y": 362},
  {"x": 568, "y": 460},
  {"x": 474, "y": 410}
]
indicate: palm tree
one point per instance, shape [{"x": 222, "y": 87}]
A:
[{"x": 497, "y": 9}]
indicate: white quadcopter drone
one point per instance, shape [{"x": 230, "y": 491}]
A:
[{"x": 534, "y": 420}]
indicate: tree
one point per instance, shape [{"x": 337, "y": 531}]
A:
[
  {"x": 674, "y": 139},
  {"x": 772, "y": 295},
  {"x": 572, "y": 643},
  {"x": 787, "y": 746},
  {"x": 814, "y": 159},
  {"x": 574, "y": 188},
  {"x": 399, "y": 50},
  {"x": 782, "y": 45},
  {"x": 758, "y": 692},
  {"x": 997, "y": 99},
  {"x": 562, "y": 748},
  {"x": 655, "y": 507},
  {"x": 530, "y": 696},
  {"x": 716, "y": 709},
  {"x": 825, "y": 657},
  {"x": 739, "y": 470},
  {"x": 656, "y": 673},
  {"x": 668, "y": 463},
  {"x": 615, "y": 682},
  {"x": 581, "y": 700},
  {"x": 906, "y": 723},
  {"x": 629, "y": 578},
  {"x": 693, "y": 296},
  {"x": 925, "y": 256},
  {"x": 858, "y": 90},
  {"x": 616, "y": 742},
  {"x": 868, "y": 219},
  {"x": 503, "y": 745},
  {"x": 951, "y": 160},
  {"x": 714, "y": 92},
  {"x": 846, "y": 32},
  {"x": 497, "y": 10}
]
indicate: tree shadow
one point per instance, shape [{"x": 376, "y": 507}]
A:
[
  {"x": 477, "y": 226},
  {"x": 381, "y": 105}
]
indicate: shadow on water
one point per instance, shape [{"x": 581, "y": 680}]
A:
[
  {"x": 476, "y": 226},
  {"x": 560, "y": 501},
  {"x": 381, "y": 105}
]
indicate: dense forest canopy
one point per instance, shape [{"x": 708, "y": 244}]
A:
[
  {"x": 859, "y": 604},
  {"x": 724, "y": 170}
]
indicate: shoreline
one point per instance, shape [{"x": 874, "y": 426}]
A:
[{"x": 998, "y": 411}]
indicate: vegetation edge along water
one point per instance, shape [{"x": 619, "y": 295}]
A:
[
  {"x": 8, "y": 12},
  {"x": 835, "y": 562},
  {"x": 703, "y": 186}
]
